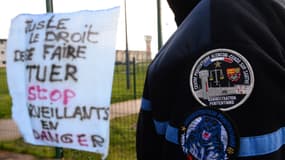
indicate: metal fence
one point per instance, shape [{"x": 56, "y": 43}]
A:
[{"x": 127, "y": 90}]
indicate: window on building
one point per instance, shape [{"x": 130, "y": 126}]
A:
[
  {"x": 2, "y": 52},
  {"x": 3, "y": 62}
]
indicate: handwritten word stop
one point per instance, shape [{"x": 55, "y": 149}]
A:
[{"x": 54, "y": 95}]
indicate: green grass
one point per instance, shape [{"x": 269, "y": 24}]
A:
[
  {"x": 5, "y": 106},
  {"x": 5, "y": 99},
  {"x": 19, "y": 146},
  {"x": 120, "y": 91},
  {"x": 122, "y": 144},
  {"x": 122, "y": 138},
  {"x": 3, "y": 82}
]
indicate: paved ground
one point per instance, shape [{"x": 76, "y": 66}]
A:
[
  {"x": 125, "y": 108},
  {"x": 9, "y": 130}
]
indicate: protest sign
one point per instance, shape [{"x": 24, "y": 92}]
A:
[{"x": 60, "y": 71}]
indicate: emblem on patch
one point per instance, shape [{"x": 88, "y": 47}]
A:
[
  {"x": 209, "y": 134},
  {"x": 222, "y": 78}
]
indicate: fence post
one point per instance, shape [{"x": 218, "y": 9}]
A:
[
  {"x": 49, "y": 6},
  {"x": 127, "y": 48},
  {"x": 159, "y": 34},
  {"x": 58, "y": 150},
  {"x": 134, "y": 77}
]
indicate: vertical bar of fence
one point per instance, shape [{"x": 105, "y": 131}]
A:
[
  {"x": 49, "y": 6},
  {"x": 159, "y": 34},
  {"x": 134, "y": 77},
  {"x": 127, "y": 48},
  {"x": 58, "y": 150}
]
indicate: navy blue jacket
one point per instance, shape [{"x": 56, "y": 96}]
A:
[{"x": 253, "y": 32}]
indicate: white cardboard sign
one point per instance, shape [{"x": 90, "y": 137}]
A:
[{"x": 60, "y": 71}]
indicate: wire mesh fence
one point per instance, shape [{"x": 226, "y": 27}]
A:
[{"x": 127, "y": 90}]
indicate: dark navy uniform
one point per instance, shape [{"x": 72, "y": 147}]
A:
[{"x": 228, "y": 55}]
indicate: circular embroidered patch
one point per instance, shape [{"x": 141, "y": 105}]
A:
[
  {"x": 209, "y": 134},
  {"x": 221, "y": 78}
]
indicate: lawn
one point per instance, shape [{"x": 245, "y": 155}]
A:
[
  {"x": 120, "y": 90},
  {"x": 5, "y": 100}
]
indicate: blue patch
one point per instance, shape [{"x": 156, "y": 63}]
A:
[{"x": 209, "y": 134}]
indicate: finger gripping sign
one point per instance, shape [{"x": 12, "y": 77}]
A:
[{"x": 60, "y": 71}]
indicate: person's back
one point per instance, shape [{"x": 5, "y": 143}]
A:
[{"x": 227, "y": 56}]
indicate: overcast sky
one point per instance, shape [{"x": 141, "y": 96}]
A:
[{"x": 141, "y": 17}]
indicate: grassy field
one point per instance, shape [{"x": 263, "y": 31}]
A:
[
  {"x": 5, "y": 100},
  {"x": 120, "y": 91}
]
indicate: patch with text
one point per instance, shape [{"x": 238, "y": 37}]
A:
[{"x": 222, "y": 78}]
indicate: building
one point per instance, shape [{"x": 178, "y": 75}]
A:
[
  {"x": 3, "y": 43},
  {"x": 140, "y": 56}
]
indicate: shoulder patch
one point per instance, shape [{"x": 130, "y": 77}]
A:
[
  {"x": 222, "y": 78},
  {"x": 209, "y": 134}
]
